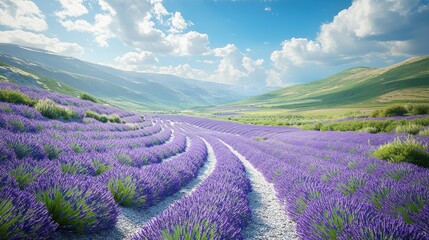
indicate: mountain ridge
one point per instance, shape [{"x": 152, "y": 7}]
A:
[
  {"x": 141, "y": 91},
  {"x": 354, "y": 86}
]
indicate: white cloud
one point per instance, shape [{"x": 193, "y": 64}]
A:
[
  {"x": 190, "y": 43},
  {"x": 136, "y": 61},
  {"x": 178, "y": 23},
  {"x": 160, "y": 11},
  {"x": 99, "y": 29},
  {"x": 367, "y": 32},
  {"x": 30, "y": 39},
  {"x": 208, "y": 61},
  {"x": 237, "y": 68},
  {"x": 273, "y": 78},
  {"x": 71, "y": 8},
  {"x": 267, "y": 9},
  {"x": 22, "y": 14},
  {"x": 140, "y": 24},
  {"x": 184, "y": 70}
]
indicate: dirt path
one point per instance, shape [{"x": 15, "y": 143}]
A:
[{"x": 269, "y": 220}]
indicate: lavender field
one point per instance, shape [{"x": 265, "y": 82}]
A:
[{"x": 178, "y": 177}]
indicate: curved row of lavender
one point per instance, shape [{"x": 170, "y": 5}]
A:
[
  {"x": 327, "y": 181},
  {"x": 72, "y": 176},
  {"x": 330, "y": 185},
  {"x": 217, "y": 209}
]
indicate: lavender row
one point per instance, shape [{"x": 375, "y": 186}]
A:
[
  {"x": 26, "y": 123},
  {"x": 329, "y": 200},
  {"x": 80, "y": 195},
  {"x": 153, "y": 183},
  {"x": 36, "y": 199},
  {"x": 217, "y": 209},
  {"x": 229, "y": 127},
  {"x": 52, "y": 145},
  {"x": 66, "y": 100}
]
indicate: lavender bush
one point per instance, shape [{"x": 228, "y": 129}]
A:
[
  {"x": 76, "y": 204},
  {"x": 21, "y": 217}
]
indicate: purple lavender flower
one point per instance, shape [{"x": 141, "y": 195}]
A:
[
  {"x": 21, "y": 217},
  {"x": 76, "y": 203},
  {"x": 128, "y": 187}
]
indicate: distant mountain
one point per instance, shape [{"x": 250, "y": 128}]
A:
[
  {"x": 140, "y": 91},
  {"x": 357, "y": 87}
]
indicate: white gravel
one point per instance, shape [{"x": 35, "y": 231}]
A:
[
  {"x": 269, "y": 220},
  {"x": 188, "y": 145},
  {"x": 130, "y": 220}
]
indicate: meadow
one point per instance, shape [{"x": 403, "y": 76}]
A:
[{"x": 72, "y": 168}]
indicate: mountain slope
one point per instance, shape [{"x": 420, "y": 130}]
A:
[
  {"x": 354, "y": 87},
  {"x": 143, "y": 91}
]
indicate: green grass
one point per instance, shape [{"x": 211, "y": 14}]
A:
[
  {"x": 50, "y": 109},
  {"x": 408, "y": 150},
  {"x": 16, "y": 97},
  {"x": 353, "y": 89},
  {"x": 372, "y": 126},
  {"x": 86, "y": 96},
  {"x": 417, "y": 109},
  {"x": 103, "y": 118},
  {"x": 409, "y": 128},
  {"x": 424, "y": 132}
]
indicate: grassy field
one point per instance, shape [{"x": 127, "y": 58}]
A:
[{"x": 352, "y": 93}]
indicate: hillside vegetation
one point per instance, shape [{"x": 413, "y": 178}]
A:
[
  {"x": 131, "y": 90},
  {"x": 358, "y": 87},
  {"x": 352, "y": 93}
]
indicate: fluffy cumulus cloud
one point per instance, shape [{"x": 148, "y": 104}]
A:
[
  {"x": 71, "y": 8},
  {"x": 366, "y": 32},
  {"x": 190, "y": 43},
  {"x": 142, "y": 24},
  {"x": 22, "y": 14},
  {"x": 41, "y": 41},
  {"x": 27, "y": 24},
  {"x": 237, "y": 68},
  {"x": 99, "y": 29},
  {"x": 135, "y": 61},
  {"x": 178, "y": 23}
]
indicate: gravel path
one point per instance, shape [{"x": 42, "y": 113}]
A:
[
  {"x": 269, "y": 220},
  {"x": 188, "y": 145},
  {"x": 130, "y": 220}
]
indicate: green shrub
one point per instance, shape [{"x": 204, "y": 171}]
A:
[
  {"x": 316, "y": 126},
  {"x": 424, "y": 132},
  {"x": 375, "y": 113},
  {"x": 100, "y": 167},
  {"x": 408, "y": 150},
  {"x": 417, "y": 109},
  {"x": 86, "y": 96},
  {"x": 17, "y": 97},
  {"x": 51, "y": 150},
  {"x": 99, "y": 117},
  {"x": 260, "y": 139},
  {"x": 410, "y": 129},
  {"x": 392, "y": 111},
  {"x": 115, "y": 119},
  {"x": 50, "y": 109},
  {"x": 369, "y": 130}
]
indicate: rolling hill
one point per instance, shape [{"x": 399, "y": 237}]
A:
[
  {"x": 139, "y": 91},
  {"x": 405, "y": 82}
]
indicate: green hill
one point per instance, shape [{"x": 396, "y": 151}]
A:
[
  {"x": 354, "y": 88},
  {"x": 126, "y": 89}
]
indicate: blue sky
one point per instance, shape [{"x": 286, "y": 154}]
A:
[{"x": 245, "y": 42}]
